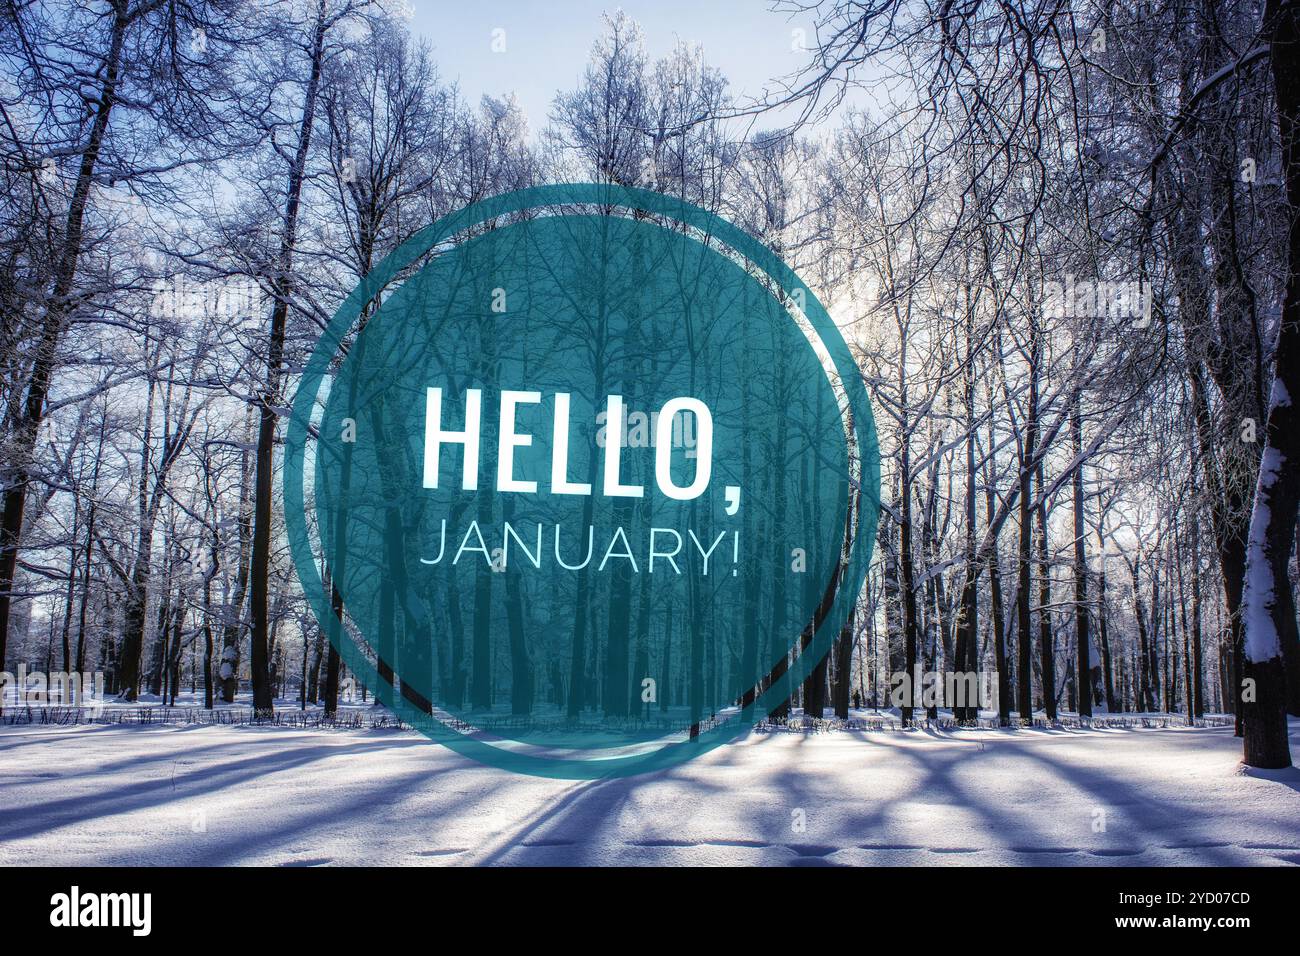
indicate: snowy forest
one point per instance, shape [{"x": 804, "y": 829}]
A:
[{"x": 1057, "y": 235}]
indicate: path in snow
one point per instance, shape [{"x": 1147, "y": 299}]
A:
[{"x": 216, "y": 795}]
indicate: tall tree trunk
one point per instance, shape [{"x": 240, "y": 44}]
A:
[
  {"x": 968, "y": 609},
  {"x": 843, "y": 670},
  {"x": 15, "y": 476},
  {"x": 134, "y": 616},
  {"x": 778, "y": 642},
  {"x": 1198, "y": 664},
  {"x": 1024, "y": 640},
  {"x": 522, "y": 678},
  {"x": 1103, "y": 622},
  {"x": 1083, "y": 677},
  {"x": 80, "y": 665},
  {"x": 1046, "y": 648},
  {"x": 232, "y": 630},
  {"x": 999, "y": 634},
  {"x": 175, "y": 648},
  {"x": 333, "y": 668},
  {"x": 907, "y": 583},
  {"x": 1277, "y": 489},
  {"x": 207, "y": 643},
  {"x": 269, "y": 399},
  {"x": 158, "y": 666},
  {"x": 68, "y": 594},
  {"x": 578, "y": 657},
  {"x": 1142, "y": 700}
]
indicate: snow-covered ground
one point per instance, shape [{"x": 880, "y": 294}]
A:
[{"x": 206, "y": 795}]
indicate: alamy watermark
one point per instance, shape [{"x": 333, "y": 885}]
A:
[
  {"x": 53, "y": 689},
  {"x": 232, "y": 298},
  {"x": 922, "y": 688},
  {"x": 641, "y": 430},
  {"x": 1098, "y": 298}
]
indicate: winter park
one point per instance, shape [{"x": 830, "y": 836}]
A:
[{"x": 801, "y": 433}]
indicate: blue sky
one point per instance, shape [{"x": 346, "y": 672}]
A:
[{"x": 547, "y": 44}]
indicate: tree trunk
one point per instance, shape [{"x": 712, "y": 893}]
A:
[
  {"x": 907, "y": 580},
  {"x": 968, "y": 609},
  {"x": 1198, "y": 664},
  {"x": 999, "y": 635},
  {"x": 1277, "y": 489},
  {"x": 1103, "y": 624},
  {"x": 16, "y": 476},
  {"x": 1024, "y": 642},
  {"x": 267, "y": 401},
  {"x": 1046, "y": 648},
  {"x": 232, "y": 631},
  {"x": 1083, "y": 676},
  {"x": 842, "y": 670}
]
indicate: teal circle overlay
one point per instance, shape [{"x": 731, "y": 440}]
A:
[{"x": 586, "y": 290}]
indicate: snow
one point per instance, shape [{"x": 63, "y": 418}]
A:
[
  {"x": 1279, "y": 397},
  {"x": 205, "y": 795}
]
